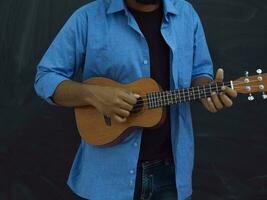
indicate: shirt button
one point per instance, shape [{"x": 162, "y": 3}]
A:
[
  {"x": 135, "y": 144},
  {"x": 131, "y": 171},
  {"x": 145, "y": 62},
  {"x": 131, "y": 182}
]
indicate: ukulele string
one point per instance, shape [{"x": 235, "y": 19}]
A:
[
  {"x": 200, "y": 87},
  {"x": 159, "y": 101},
  {"x": 182, "y": 98},
  {"x": 185, "y": 90},
  {"x": 206, "y": 94}
]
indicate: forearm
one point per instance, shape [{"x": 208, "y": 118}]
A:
[
  {"x": 73, "y": 94},
  {"x": 110, "y": 101}
]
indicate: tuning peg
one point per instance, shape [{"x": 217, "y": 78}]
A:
[
  {"x": 259, "y": 71},
  {"x": 251, "y": 98},
  {"x": 261, "y": 87},
  {"x": 246, "y": 80},
  {"x": 264, "y": 95}
]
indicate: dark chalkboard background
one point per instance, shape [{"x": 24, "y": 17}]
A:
[{"x": 38, "y": 142}]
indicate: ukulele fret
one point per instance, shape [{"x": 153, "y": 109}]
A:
[
  {"x": 179, "y": 96},
  {"x": 188, "y": 90},
  {"x": 210, "y": 89},
  {"x": 168, "y": 98},
  {"x": 216, "y": 86},
  {"x": 156, "y": 99},
  {"x": 165, "y": 100},
  {"x": 184, "y": 94},
  {"x": 204, "y": 90},
  {"x": 175, "y": 96},
  {"x": 160, "y": 99},
  {"x": 159, "y": 102},
  {"x": 148, "y": 100},
  {"x": 152, "y": 100},
  {"x": 172, "y": 97},
  {"x": 199, "y": 92},
  {"x": 193, "y": 91}
]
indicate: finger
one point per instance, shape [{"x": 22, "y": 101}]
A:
[
  {"x": 211, "y": 105},
  {"x": 130, "y": 98},
  {"x": 230, "y": 92},
  {"x": 122, "y": 113},
  {"x": 216, "y": 101},
  {"x": 124, "y": 105},
  {"x": 226, "y": 100},
  {"x": 219, "y": 75},
  {"x": 207, "y": 105},
  {"x": 119, "y": 119}
]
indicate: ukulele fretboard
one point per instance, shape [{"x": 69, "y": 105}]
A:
[{"x": 170, "y": 97}]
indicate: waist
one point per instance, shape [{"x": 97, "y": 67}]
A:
[{"x": 155, "y": 163}]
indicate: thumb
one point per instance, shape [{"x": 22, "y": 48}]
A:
[{"x": 219, "y": 75}]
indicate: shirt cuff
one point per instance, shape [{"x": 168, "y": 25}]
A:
[{"x": 47, "y": 84}]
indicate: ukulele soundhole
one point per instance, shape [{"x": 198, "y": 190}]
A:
[{"x": 138, "y": 106}]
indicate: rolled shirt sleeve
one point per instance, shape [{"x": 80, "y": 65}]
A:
[
  {"x": 63, "y": 58},
  {"x": 203, "y": 65}
]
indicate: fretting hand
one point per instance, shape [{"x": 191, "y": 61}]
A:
[{"x": 218, "y": 101}]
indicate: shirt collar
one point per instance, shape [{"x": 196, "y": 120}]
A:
[
  {"x": 168, "y": 6},
  {"x": 119, "y": 5},
  {"x": 115, "y": 6}
]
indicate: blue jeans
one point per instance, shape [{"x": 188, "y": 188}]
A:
[{"x": 156, "y": 181}]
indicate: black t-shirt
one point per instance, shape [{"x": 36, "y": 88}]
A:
[{"x": 156, "y": 143}]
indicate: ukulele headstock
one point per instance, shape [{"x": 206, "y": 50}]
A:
[{"x": 252, "y": 84}]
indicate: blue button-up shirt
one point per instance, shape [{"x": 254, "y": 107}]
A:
[{"x": 104, "y": 38}]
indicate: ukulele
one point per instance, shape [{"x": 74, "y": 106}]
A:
[{"x": 149, "y": 111}]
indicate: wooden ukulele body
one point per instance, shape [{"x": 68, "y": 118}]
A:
[
  {"x": 92, "y": 126},
  {"x": 95, "y": 129}
]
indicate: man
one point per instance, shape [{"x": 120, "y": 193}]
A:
[{"x": 125, "y": 41}]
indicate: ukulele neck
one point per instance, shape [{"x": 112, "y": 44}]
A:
[{"x": 170, "y": 97}]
